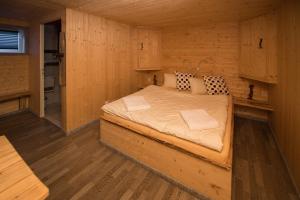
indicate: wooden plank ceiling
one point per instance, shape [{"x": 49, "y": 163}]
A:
[{"x": 145, "y": 12}]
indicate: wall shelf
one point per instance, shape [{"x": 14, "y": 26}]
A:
[
  {"x": 261, "y": 105},
  {"x": 262, "y": 80}
]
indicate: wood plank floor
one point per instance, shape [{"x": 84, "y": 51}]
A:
[{"x": 79, "y": 167}]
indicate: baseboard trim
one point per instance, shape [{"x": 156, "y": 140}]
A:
[
  {"x": 14, "y": 112},
  {"x": 81, "y": 127},
  {"x": 284, "y": 159}
]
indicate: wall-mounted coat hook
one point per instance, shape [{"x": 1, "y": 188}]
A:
[{"x": 260, "y": 43}]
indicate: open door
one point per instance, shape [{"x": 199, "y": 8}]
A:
[{"x": 54, "y": 71}]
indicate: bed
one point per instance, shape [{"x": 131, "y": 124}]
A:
[{"x": 159, "y": 138}]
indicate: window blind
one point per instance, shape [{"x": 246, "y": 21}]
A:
[{"x": 9, "y": 40}]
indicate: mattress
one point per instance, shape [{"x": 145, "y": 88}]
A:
[{"x": 164, "y": 114}]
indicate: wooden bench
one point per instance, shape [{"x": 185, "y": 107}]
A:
[
  {"x": 17, "y": 181},
  {"x": 21, "y": 97}
]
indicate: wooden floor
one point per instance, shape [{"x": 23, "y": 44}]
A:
[
  {"x": 53, "y": 113},
  {"x": 79, "y": 167}
]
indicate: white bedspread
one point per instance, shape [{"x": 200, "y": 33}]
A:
[{"x": 164, "y": 114}]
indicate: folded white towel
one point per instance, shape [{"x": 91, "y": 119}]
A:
[
  {"x": 199, "y": 119},
  {"x": 134, "y": 103}
]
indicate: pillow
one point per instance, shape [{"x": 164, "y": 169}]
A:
[
  {"x": 197, "y": 86},
  {"x": 182, "y": 81},
  {"x": 215, "y": 85},
  {"x": 169, "y": 80}
]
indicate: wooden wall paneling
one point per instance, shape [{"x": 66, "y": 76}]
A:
[
  {"x": 285, "y": 121},
  {"x": 215, "y": 47},
  {"x": 98, "y": 64},
  {"x": 119, "y": 68},
  {"x": 34, "y": 72},
  {"x": 14, "y": 73},
  {"x": 9, "y": 107},
  {"x": 271, "y": 46},
  {"x": 13, "y": 22}
]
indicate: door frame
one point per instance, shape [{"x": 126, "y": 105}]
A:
[
  {"x": 42, "y": 70},
  {"x": 42, "y": 75}
]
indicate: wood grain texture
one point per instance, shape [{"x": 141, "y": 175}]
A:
[
  {"x": 214, "y": 49},
  {"x": 193, "y": 172},
  {"x": 14, "y": 74},
  {"x": 285, "y": 95},
  {"x": 17, "y": 179},
  {"x": 14, "y": 102},
  {"x": 14, "y": 70},
  {"x": 258, "y": 46},
  {"x": 27, "y": 11},
  {"x": 203, "y": 170},
  {"x": 148, "y": 48},
  {"x": 147, "y": 12},
  {"x": 98, "y": 64},
  {"x": 79, "y": 167},
  {"x": 13, "y": 22}
]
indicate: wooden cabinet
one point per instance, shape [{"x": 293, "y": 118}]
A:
[
  {"x": 258, "y": 58},
  {"x": 148, "y": 49}
]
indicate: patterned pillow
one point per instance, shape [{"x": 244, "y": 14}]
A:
[
  {"x": 215, "y": 85},
  {"x": 182, "y": 81}
]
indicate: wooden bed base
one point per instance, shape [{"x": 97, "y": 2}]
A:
[{"x": 182, "y": 161}]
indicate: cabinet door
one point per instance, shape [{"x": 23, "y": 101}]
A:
[
  {"x": 271, "y": 46},
  {"x": 245, "y": 50},
  {"x": 149, "y": 42},
  {"x": 143, "y": 58},
  {"x": 258, "y": 57},
  {"x": 258, "y": 48}
]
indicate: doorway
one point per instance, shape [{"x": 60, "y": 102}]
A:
[{"x": 52, "y": 72}]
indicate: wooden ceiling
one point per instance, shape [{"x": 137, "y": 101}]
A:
[{"x": 157, "y": 13}]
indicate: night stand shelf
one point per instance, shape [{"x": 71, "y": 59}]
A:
[{"x": 252, "y": 104}]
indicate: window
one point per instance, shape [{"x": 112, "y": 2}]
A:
[{"x": 12, "y": 41}]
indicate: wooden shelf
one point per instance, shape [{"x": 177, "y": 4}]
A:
[
  {"x": 262, "y": 80},
  {"x": 252, "y": 104},
  {"x": 148, "y": 69}
]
